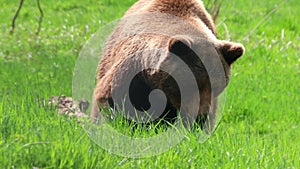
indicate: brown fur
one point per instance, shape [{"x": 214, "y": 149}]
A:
[{"x": 118, "y": 54}]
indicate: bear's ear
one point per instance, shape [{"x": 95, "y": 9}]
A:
[
  {"x": 231, "y": 51},
  {"x": 180, "y": 45}
]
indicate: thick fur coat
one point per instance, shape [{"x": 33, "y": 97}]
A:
[{"x": 151, "y": 35}]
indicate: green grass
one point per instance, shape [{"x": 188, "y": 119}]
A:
[{"x": 261, "y": 121}]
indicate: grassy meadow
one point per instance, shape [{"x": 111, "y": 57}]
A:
[{"x": 260, "y": 127}]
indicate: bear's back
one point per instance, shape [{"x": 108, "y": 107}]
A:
[{"x": 148, "y": 24}]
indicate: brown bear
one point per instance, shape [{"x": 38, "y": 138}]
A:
[{"x": 154, "y": 58}]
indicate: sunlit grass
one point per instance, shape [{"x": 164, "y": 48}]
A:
[{"x": 260, "y": 124}]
